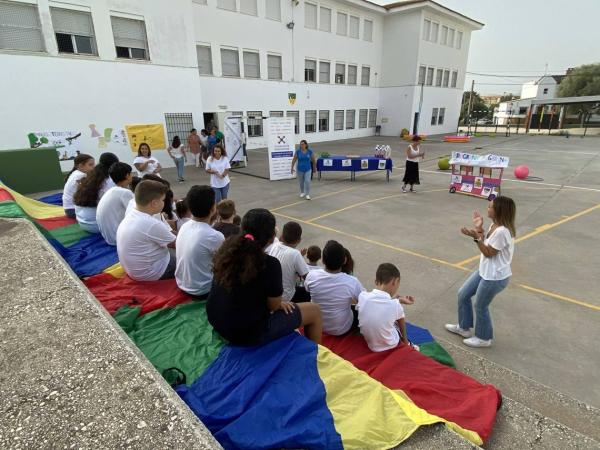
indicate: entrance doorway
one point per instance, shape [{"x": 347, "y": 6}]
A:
[{"x": 211, "y": 120}]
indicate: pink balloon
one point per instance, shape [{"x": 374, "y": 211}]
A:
[{"x": 521, "y": 172}]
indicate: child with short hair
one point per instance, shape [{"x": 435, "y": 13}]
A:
[
  {"x": 313, "y": 254},
  {"x": 380, "y": 313},
  {"x": 226, "y": 212},
  {"x": 237, "y": 220},
  {"x": 113, "y": 205},
  {"x": 183, "y": 213}
]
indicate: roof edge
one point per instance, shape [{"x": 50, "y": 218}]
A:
[{"x": 416, "y": 3}]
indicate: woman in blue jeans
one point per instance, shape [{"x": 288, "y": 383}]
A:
[
  {"x": 497, "y": 248},
  {"x": 218, "y": 167},
  {"x": 177, "y": 151},
  {"x": 307, "y": 165}
]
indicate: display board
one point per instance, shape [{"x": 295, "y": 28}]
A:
[
  {"x": 234, "y": 139},
  {"x": 281, "y": 146},
  {"x": 151, "y": 134},
  {"x": 31, "y": 170}
]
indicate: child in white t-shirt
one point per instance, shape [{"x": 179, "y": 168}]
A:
[
  {"x": 183, "y": 213},
  {"x": 112, "y": 206},
  {"x": 145, "y": 163},
  {"x": 380, "y": 313},
  {"x": 313, "y": 255}
]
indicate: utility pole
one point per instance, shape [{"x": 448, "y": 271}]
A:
[{"x": 470, "y": 106}]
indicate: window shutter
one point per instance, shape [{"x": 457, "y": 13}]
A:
[
  {"x": 230, "y": 62},
  {"x": 20, "y": 27},
  {"x": 72, "y": 22},
  {"x": 204, "y": 60},
  {"x": 129, "y": 33},
  {"x": 251, "y": 65},
  {"x": 273, "y": 9}
]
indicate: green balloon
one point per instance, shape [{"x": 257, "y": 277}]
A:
[{"x": 443, "y": 163}]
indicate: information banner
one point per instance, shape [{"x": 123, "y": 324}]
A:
[
  {"x": 234, "y": 139},
  {"x": 281, "y": 147},
  {"x": 469, "y": 159},
  {"x": 151, "y": 134}
]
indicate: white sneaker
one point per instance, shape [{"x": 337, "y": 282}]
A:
[
  {"x": 453, "y": 328},
  {"x": 476, "y": 342},
  {"x": 302, "y": 194},
  {"x": 308, "y": 197}
]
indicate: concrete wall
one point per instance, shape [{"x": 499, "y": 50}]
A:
[{"x": 535, "y": 89}]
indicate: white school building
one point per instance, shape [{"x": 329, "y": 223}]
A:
[{"x": 341, "y": 68}]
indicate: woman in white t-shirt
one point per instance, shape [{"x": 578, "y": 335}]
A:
[
  {"x": 413, "y": 154},
  {"x": 497, "y": 248},
  {"x": 177, "y": 152},
  {"x": 218, "y": 167},
  {"x": 145, "y": 163},
  {"x": 82, "y": 165}
]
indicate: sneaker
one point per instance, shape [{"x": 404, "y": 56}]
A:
[
  {"x": 403, "y": 189},
  {"x": 302, "y": 194},
  {"x": 412, "y": 190},
  {"x": 453, "y": 328},
  {"x": 476, "y": 342},
  {"x": 308, "y": 197}
]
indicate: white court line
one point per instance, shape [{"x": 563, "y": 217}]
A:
[{"x": 544, "y": 151}]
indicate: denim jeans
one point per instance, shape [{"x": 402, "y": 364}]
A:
[
  {"x": 484, "y": 292},
  {"x": 221, "y": 193},
  {"x": 179, "y": 163},
  {"x": 304, "y": 180}
]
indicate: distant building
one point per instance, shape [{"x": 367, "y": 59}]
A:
[{"x": 490, "y": 100}]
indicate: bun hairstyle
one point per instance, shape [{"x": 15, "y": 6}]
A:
[{"x": 89, "y": 187}]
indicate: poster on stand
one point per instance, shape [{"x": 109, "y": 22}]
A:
[
  {"x": 234, "y": 139},
  {"x": 281, "y": 146}
]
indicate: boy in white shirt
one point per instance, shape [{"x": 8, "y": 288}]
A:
[
  {"x": 292, "y": 262},
  {"x": 143, "y": 241},
  {"x": 380, "y": 313},
  {"x": 197, "y": 242},
  {"x": 313, "y": 254},
  {"x": 334, "y": 291},
  {"x": 113, "y": 205}
]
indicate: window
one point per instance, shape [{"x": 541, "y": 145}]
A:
[
  {"x": 273, "y": 9},
  {"x": 200, "y": 2},
  {"x": 426, "y": 29},
  {"x": 434, "y": 115},
  {"x": 435, "y": 29},
  {"x": 296, "y": 116},
  {"x": 251, "y": 65},
  {"x": 178, "y": 124},
  {"x": 545, "y": 90},
  {"x": 444, "y": 40},
  {"x": 422, "y": 72},
  {"x": 130, "y": 38},
  {"x": 20, "y": 27},
  {"x": 522, "y": 109},
  {"x": 354, "y": 27},
  {"x": 368, "y": 30},
  {"x": 340, "y": 73},
  {"x": 446, "y": 78},
  {"x": 324, "y": 72},
  {"x": 350, "y": 119},
  {"x": 310, "y": 15},
  {"x": 451, "y": 32},
  {"x": 338, "y": 120},
  {"x": 352, "y": 74},
  {"x": 248, "y": 7},
  {"x": 227, "y": 4},
  {"x": 275, "y": 113},
  {"x": 438, "y": 77},
  {"x": 274, "y": 67},
  {"x": 459, "y": 38},
  {"x": 323, "y": 120},
  {"x": 310, "y": 70},
  {"x": 342, "y": 24},
  {"x": 255, "y": 123},
  {"x": 230, "y": 62},
  {"x": 429, "y": 81},
  {"x": 454, "y": 78},
  {"x": 236, "y": 113},
  {"x": 362, "y": 118},
  {"x": 325, "y": 23},
  {"x": 310, "y": 121},
  {"x": 74, "y": 31},
  {"x": 365, "y": 76},
  {"x": 441, "y": 116},
  {"x": 372, "y": 118},
  {"x": 204, "y": 59}
]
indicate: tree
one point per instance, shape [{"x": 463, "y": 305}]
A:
[
  {"x": 583, "y": 80},
  {"x": 478, "y": 107}
]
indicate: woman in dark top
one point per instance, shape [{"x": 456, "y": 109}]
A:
[{"x": 245, "y": 305}]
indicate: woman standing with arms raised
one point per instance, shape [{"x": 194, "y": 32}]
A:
[
  {"x": 411, "y": 174},
  {"x": 497, "y": 248},
  {"x": 307, "y": 165}
]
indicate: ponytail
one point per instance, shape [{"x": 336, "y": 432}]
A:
[{"x": 79, "y": 159}]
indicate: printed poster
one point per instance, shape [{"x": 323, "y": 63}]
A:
[
  {"x": 381, "y": 164},
  {"x": 67, "y": 143},
  {"x": 280, "y": 132},
  {"x": 466, "y": 187},
  {"x": 364, "y": 164},
  {"x": 346, "y": 163},
  {"x": 151, "y": 134},
  {"x": 456, "y": 179},
  {"x": 486, "y": 191},
  {"x": 328, "y": 162},
  {"x": 478, "y": 182},
  {"x": 470, "y": 159}
]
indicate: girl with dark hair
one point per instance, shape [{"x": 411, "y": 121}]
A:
[
  {"x": 82, "y": 165},
  {"x": 177, "y": 152},
  {"x": 497, "y": 248},
  {"x": 307, "y": 165},
  {"x": 245, "y": 305},
  {"x": 145, "y": 163},
  {"x": 411, "y": 173},
  {"x": 90, "y": 191},
  {"x": 218, "y": 166}
]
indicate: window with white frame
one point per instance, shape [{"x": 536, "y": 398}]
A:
[
  {"x": 459, "y": 38},
  {"x": 444, "y": 40},
  {"x": 342, "y": 24},
  {"x": 352, "y": 74},
  {"x": 310, "y": 121},
  {"x": 275, "y": 113},
  {"x": 434, "y": 116},
  {"x": 273, "y": 9},
  {"x": 20, "y": 27},
  {"x": 350, "y": 119},
  {"x": 249, "y": 7},
  {"x": 325, "y": 19},
  {"x": 340, "y": 73},
  {"x": 204, "y": 55},
  {"x": 274, "y": 71},
  {"x": 446, "y": 79},
  {"x": 435, "y": 30},
  {"x": 230, "y": 62},
  {"x": 451, "y": 32},
  {"x": 426, "y": 29},
  {"x": 324, "y": 72},
  {"x": 439, "y": 73},
  {"x": 429, "y": 80},
  {"x": 296, "y": 116},
  {"x": 441, "y": 115},
  {"x": 236, "y": 113},
  {"x": 365, "y": 76},
  {"x": 251, "y": 64},
  {"x": 310, "y": 70},
  {"x": 422, "y": 72},
  {"x": 338, "y": 120},
  {"x": 130, "y": 38},
  {"x": 363, "y": 115},
  {"x": 310, "y": 15},
  {"x": 255, "y": 123},
  {"x": 372, "y": 118},
  {"x": 227, "y": 4},
  {"x": 454, "y": 78},
  {"x": 368, "y": 30},
  {"x": 74, "y": 31},
  {"x": 323, "y": 120},
  {"x": 354, "y": 27},
  {"x": 200, "y": 2}
]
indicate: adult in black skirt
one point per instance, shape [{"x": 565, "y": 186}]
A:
[{"x": 413, "y": 153}]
